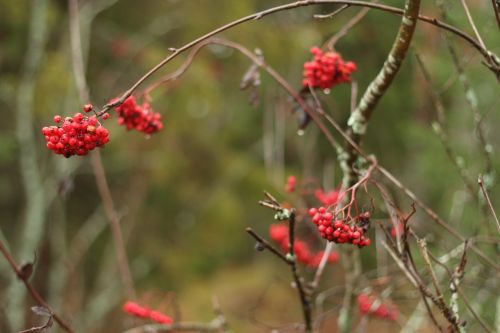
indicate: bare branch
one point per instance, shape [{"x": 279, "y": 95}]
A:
[
  {"x": 487, "y": 197},
  {"x": 34, "y": 294}
]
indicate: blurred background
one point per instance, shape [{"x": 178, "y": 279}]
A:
[{"x": 185, "y": 195}]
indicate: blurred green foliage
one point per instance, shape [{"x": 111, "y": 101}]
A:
[{"x": 186, "y": 194}]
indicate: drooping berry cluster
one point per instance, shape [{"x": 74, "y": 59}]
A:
[
  {"x": 291, "y": 183},
  {"x": 383, "y": 311},
  {"x": 337, "y": 231},
  {"x": 304, "y": 255},
  {"x": 139, "y": 117},
  {"x": 327, "y": 198},
  {"x": 76, "y": 135},
  {"x": 138, "y": 311},
  {"x": 326, "y": 70}
]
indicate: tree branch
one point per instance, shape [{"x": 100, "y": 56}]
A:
[{"x": 34, "y": 294}]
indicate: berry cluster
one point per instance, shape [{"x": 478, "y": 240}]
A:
[
  {"x": 76, "y": 135},
  {"x": 326, "y": 70},
  {"x": 291, "y": 183},
  {"x": 327, "y": 199},
  {"x": 139, "y": 117},
  {"x": 338, "y": 231},
  {"x": 382, "y": 311},
  {"x": 304, "y": 255},
  {"x": 138, "y": 311}
]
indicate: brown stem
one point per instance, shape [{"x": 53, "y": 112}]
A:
[
  {"x": 100, "y": 175},
  {"x": 304, "y": 299},
  {"x": 114, "y": 220},
  {"x": 34, "y": 294}
]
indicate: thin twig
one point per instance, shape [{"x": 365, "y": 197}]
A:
[
  {"x": 471, "y": 21},
  {"x": 457, "y": 287},
  {"x": 34, "y": 294},
  {"x": 304, "y": 299},
  {"x": 267, "y": 245},
  {"x": 487, "y": 197},
  {"x": 322, "y": 265},
  {"x": 423, "y": 248},
  {"x": 330, "y": 44},
  {"x": 472, "y": 101},
  {"x": 332, "y": 14},
  {"x": 496, "y": 10},
  {"x": 40, "y": 328}
]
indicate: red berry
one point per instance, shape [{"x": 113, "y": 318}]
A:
[
  {"x": 57, "y": 119},
  {"x": 312, "y": 211},
  {"x": 88, "y": 107},
  {"x": 105, "y": 116}
]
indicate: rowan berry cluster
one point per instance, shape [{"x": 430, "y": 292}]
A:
[
  {"x": 138, "y": 311},
  {"x": 383, "y": 311},
  {"x": 326, "y": 70},
  {"x": 304, "y": 255},
  {"x": 337, "y": 231},
  {"x": 139, "y": 117},
  {"x": 76, "y": 135}
]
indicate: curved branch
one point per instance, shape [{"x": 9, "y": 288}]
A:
[{"x": 492, "y": 61}]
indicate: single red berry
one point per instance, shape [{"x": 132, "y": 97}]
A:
[
  {"x": 88, "y": 107},
  {"x": 105, "y": 116},
  {"x": 57, "y": 119},
  {"x": 312, "y": 211}
]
